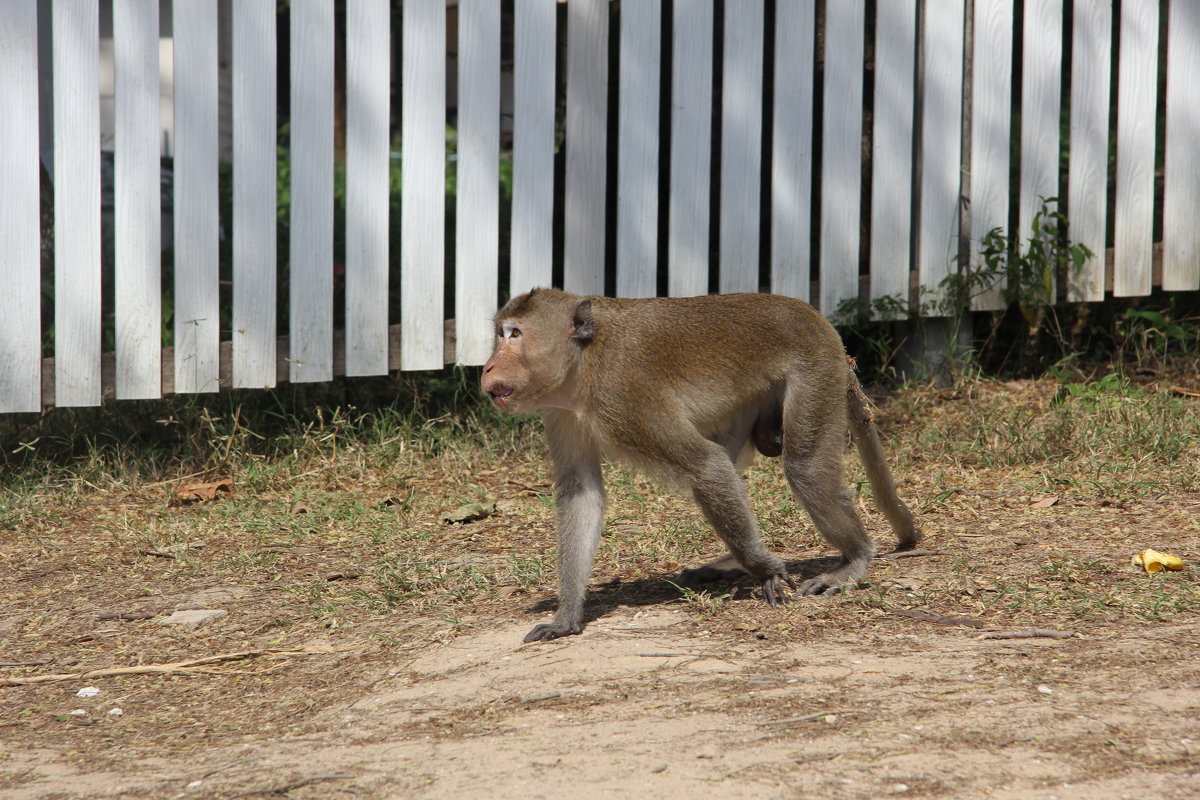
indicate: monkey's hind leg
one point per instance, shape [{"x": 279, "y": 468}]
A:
[
  {"x": 814, "y": 442},
  {"x": 721, "y": 495}
]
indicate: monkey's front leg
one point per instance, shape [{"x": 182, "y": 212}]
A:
[{"x": 579, "y": 506}]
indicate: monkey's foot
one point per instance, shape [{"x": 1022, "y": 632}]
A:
[
  {"x": 552, "y": 630},
  {"x": 772, "y": 589},
  {"x": 829, "y": 583}
]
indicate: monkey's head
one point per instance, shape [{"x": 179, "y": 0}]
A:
[{"x": 540, "y": 337}]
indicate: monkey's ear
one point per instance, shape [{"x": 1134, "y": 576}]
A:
[{"x": 583, "y": 325}]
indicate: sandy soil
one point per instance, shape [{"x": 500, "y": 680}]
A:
[{"x": 654, "y": 701}]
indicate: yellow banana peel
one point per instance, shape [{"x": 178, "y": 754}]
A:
[{"x": 1154, "y": 561}]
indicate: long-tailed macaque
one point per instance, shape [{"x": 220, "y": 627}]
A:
[{"x": 686, "y": 389}]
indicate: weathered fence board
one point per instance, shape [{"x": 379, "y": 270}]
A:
[
  {"x": 991, "y": 121},
  {"x": 792, "y": 148},
  {"x": 478, "y": 244},
  {"x": 77, "y": 199},
  {"x": 1181, "y": 201},
  {"x": 1136, "y": 95},
  {"x": 1091, "y": 50},
  {"x": 20, "y": 320},
  {"x": 637, "y": 138},
  {"x": 691, "y": 148},
  {"x": 741, "y": 146},
  {"x": 138, "y": 206},
  {"x": 254, "y": 193},
  {"x": 841, "y": 163},
  {"x": 423, "y": 171},
  {"x": 1041, "y": 79},
  {"x": 941, "y": 143},
  {"x": 587, "y": 112},
  {"x": 310, "y": 274},
  {"x": 533, "y": 146},
  {"x": 891, "y": 160},
  {"x": 197, "y": 219},
  {"x": 368, "y": 145}
]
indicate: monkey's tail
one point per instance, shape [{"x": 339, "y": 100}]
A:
[{"x": 870, "y": 450}]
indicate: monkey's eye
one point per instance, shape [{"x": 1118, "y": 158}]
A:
[{"x": 511, "y": 331}]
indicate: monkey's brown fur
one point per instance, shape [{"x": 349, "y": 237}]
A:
[{"x": 686, "y": 389}]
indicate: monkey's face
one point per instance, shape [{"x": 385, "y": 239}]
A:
[
  {"x": 539, "y": 341},
  {"x": 529, "y": 368}
]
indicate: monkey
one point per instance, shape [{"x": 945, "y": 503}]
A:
[{"x": 686, "y": 390}]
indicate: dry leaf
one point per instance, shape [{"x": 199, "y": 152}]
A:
[
  {"x": 1044, "y": 502},
  {"x": 203, "y": 492},
  {"x": 300, "y": 507},
  {"x": 470, "y": 513}
]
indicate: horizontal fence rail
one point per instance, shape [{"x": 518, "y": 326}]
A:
[{"x": 296, "y": 192}]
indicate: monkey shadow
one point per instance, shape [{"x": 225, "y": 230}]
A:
[{"x": 669, "y": 589}]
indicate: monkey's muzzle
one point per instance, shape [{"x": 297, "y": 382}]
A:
[{"x": 499, "y": 393}]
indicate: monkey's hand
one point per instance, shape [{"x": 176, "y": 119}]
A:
[
  {"x": 553, "y": 630},
  {"x": 772, "y": 588}
]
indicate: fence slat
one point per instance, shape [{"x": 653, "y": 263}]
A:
[
  {"x": 991, "y": 127},
  {"x": 1136, "y": 89},
  {"x": 1041, "y": 80},
  {"x": 891, "y": 185},
  {"x": 310, "y": 277},
  {"x": 691, "y": 148},
  {"x": 637, "y": 171},
  {"x": 368, "y": 69},
  {"x": 77, "y": 198},
  {"x": 587, "y": 112},
  {"x": 1181, "y": 201},
  {"x": 791, "y": 149},
  {"x": 478, "y": 239},
  {"x": 423, "y": 193},
  {"x": 841, "y": 163},
  {"x": 941, "y": 143},
  {"x": 741, "y": 146},
  {"x": 20, "y": 318},
  {"x": 1087, "y": 206},
  {"x": 533, "y": 146},
  {"x": 138, "y": 200},
  {"x": 254, "y": 193},
  {"x": 197, "y": 222}
]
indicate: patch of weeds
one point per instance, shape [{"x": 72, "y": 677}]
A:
[{"x": 702, "y": 602}]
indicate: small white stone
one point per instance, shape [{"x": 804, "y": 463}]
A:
[
  {"x": 899, "y": 788},
  {"x": 193, "y": 618},
  {"x": 79, "y": 712},
  {"x": 1045, "y": 689},
  {"x": 87, "y": 691},
  {"x": 115, "y": 712}
]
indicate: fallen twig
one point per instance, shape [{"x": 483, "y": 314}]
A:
[
  {"x": 662, "y": 655},
  {"x": 175, "y": 666},
  {"x": 939, "y": 619},
  {"x": 128, "y": 616},
  {"x": 540, "y": 698},
  {"x": 811, "y": 717},
  {"x": 1033, "y": 633},
  {"x": 24, "y": 663},
  {"x": 296, "y": 784},
  {"x": 909, "y": 554}
]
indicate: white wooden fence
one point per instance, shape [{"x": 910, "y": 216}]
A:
[{"x": 777, "y": 68}]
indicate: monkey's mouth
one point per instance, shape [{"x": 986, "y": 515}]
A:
[{"x": 500, "y": 394}]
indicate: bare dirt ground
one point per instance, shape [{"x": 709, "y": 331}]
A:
[{"x": 664, "y": 694}]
